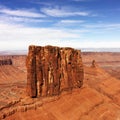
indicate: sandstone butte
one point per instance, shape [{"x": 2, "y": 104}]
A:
[{"x": 51, "y": 70}]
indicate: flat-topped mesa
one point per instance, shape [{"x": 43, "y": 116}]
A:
[
  {"x": 5, "y": 62},
  {"x": 51, "y": 70}
]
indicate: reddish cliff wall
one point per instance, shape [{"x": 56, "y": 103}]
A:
[
  {"x": 18, "y": 61},
  {"x": 51, "y": 70},
  {"x": 6, "y": 62}
]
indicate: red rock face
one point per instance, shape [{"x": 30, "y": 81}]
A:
[
  {"x": 6, "y": 62},
  {"x": 51, "y": 70}
]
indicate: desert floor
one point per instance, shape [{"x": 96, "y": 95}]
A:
[{"x": 98, "y": 99}]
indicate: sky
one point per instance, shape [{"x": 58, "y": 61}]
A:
[{"x": 72, "y": 23}]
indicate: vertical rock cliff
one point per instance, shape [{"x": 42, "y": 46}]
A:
[{"x": 51, "y": 70}]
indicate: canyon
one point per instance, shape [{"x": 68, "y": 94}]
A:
[{"x": 97, "y": 99}]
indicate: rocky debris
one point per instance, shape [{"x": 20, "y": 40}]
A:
[
  {"x": 51, "y": 70},
  {"x": 6, "y": 62},
  {"x": 23, "y": 105}
]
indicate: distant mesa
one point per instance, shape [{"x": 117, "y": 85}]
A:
[
  {"x": 5, "y": 62},
  {"x": 51, "y": 70}
]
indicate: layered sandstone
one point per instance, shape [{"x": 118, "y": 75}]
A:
[
  {"x": 51, "y": 70},
  {"x": 6, "y": 62},
  {"x": 18, "y": 61}
]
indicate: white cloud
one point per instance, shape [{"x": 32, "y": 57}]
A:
[
  {"x": 102, "y": 44},
  {"x": 69, "y": 23},
  {"x": 16, "y": 37},
  {"x": 21, "y": 13},
  {"x": 107, "y": 26},
  {"x": 60, "y": 12},
  {"x": 19, "y": 37},
  {"x": 16, "y": 19},
  {"x": 72, "y": 21}
]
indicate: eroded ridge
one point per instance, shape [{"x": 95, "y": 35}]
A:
[
  {"x": 5, "y": 62},
  {"x": 51, "y": 70}
]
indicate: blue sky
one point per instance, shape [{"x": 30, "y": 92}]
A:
[{"x": 74, "y": 23}]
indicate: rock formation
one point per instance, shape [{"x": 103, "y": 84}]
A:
[
  {"x": 51, "y": 70},
  {"x": 94, "y": 65},
  {"x": 6, "y": 62}
]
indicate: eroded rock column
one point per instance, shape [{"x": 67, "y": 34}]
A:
[
  {"x": 51, "y": 70},
  {"x": 31, "y": 72}
]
